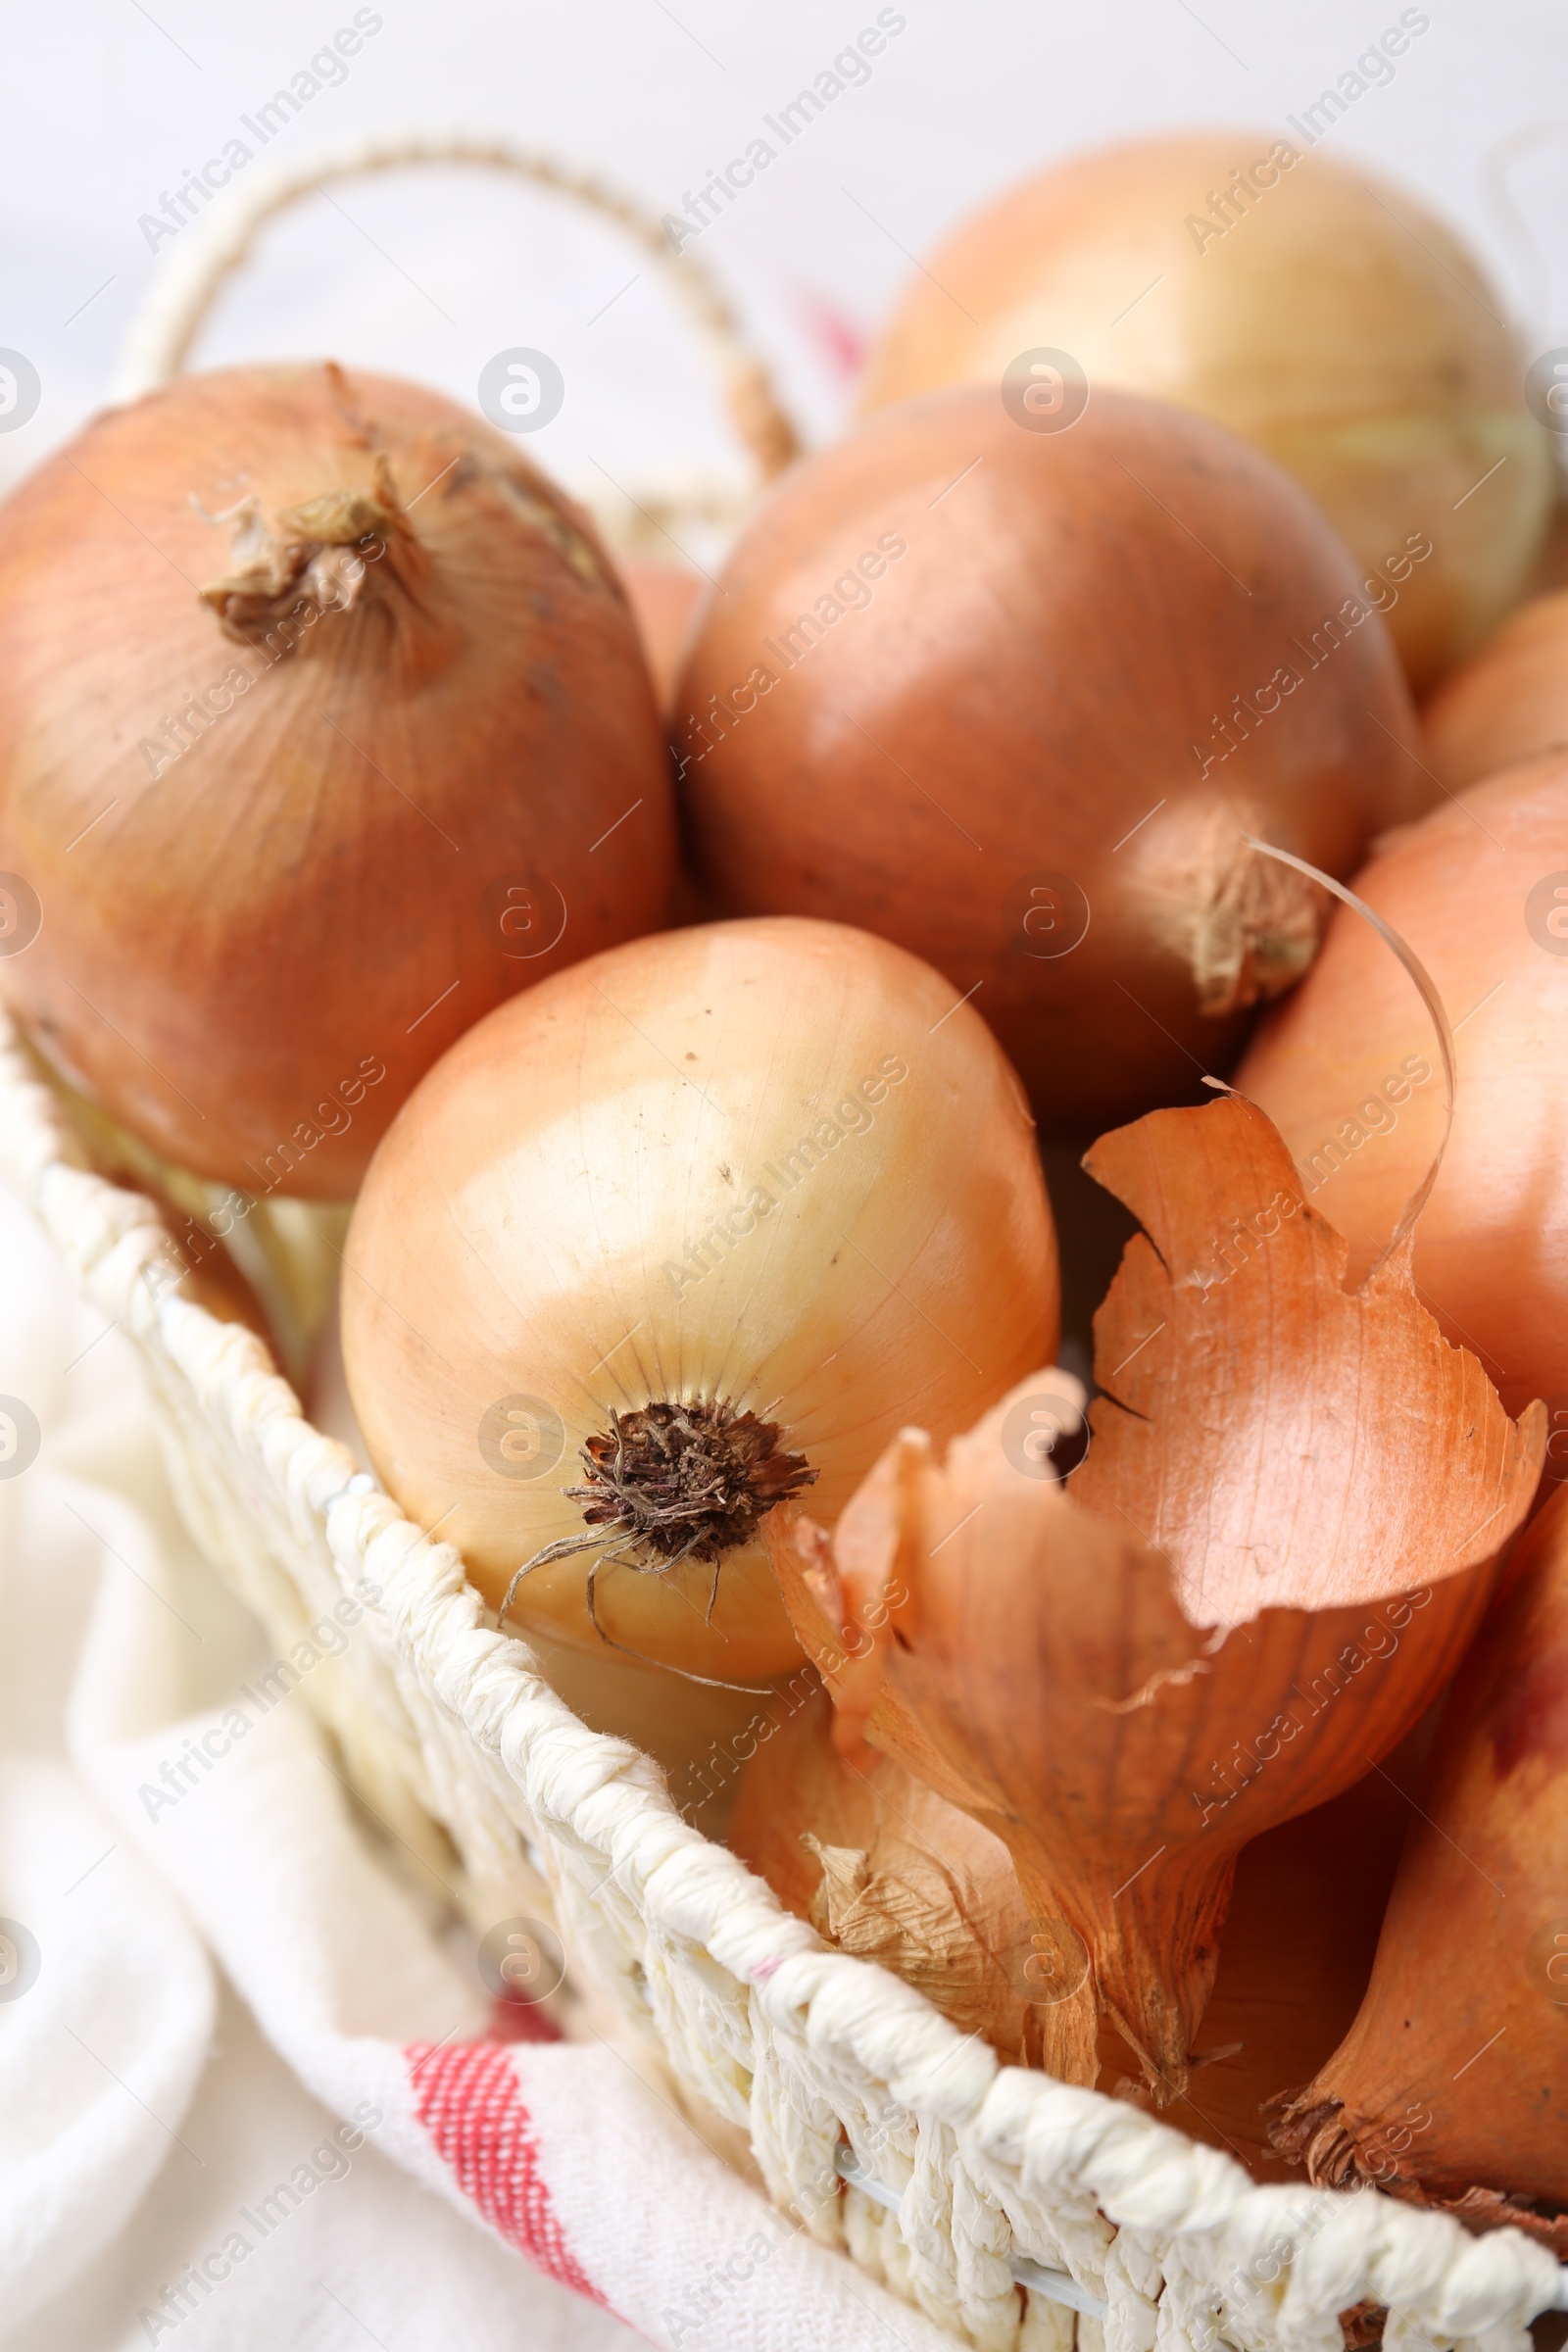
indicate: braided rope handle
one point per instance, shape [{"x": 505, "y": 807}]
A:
[{"x": 183, "y": 292}]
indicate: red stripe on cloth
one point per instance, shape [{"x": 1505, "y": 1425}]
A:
[{"x": 468, "y": 2099}]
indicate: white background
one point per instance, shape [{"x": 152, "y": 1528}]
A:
[{"x": 109, "y": 103}]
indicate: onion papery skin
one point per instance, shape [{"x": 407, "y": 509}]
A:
[
  {"x": 1452, "y": 2082},
  {"x": 1295, "y": 1953},
  {"x": 525, "y": 1231},
  {"x": 1342, "y": 1058},
  {"x": 1299, "y": 1938},
  {"x": 1334, "y": 323},
  {"x": 250, "y": 955},
  {"x": 939, "y": 1904},
  {"x": 1072, "y": 1725},
  {"x": 1270, "y": 1560},
  {"x": 1014, "y": 740},
  {"x": 1508, "y": 702}
]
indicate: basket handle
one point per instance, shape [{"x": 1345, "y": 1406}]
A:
[{"x": 177, "y": 302}]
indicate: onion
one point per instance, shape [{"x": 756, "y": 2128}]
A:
[
  {"x": 1346, "y": 1071},
  {"x": 298, "y": 812},
  {"x": 1328, "y": 319},
  {"x": 740, "y": 1199},
  {"x": 1270, "y": 1562},
  {"x": 1507, "y": 704},
  {"x": 885, "y": 1869},
  {"x": 1011, "y": 699},
  {"x": 1449, "y": 2085},
  {"x": 663, "y": 598}
]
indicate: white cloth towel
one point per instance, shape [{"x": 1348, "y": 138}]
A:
[{"x": 345, "y": 2153}]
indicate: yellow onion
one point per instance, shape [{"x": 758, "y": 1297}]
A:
[
  {"x": 683, "y": 1231},
  {"x": 1327, "y": 318},
  {"x": 1014, "y": 699},
  {"x": 323, "y": 727},
  {"x": 1347, "y": 1072}
]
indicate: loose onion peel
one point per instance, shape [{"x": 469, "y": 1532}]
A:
[
  {"x": 1296, "y": 1956},
  {"x": 884, "y": 1868},
  {"x": 1279, "y": 1544}
]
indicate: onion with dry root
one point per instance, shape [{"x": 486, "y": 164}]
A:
[
  {"x": 1273, "y": 1556},
  {"x": 1013, "y": 698},
  {"x": 1508, "y": 702},
  {"x": 1345, "y": 1070},
  {"x": 688, "y": 1730},
  {"x": 323, "y": 727},
  {"x": 677, "y": 1234},
  {"x": 1451, "y": 2086},
  {"x": 1328, "y": 319}
]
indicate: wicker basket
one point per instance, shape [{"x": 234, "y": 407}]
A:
[{"x": 1014, "y": 2210}]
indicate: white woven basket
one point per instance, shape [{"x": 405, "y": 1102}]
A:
[{"x": 1017, "y": 2212}]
